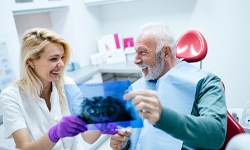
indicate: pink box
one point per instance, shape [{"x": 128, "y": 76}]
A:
[{"x": 128, "y": 42}]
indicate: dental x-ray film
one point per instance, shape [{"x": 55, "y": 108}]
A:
[{"x": 99, "y": 104}]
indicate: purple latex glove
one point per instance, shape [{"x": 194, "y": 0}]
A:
[
  {"x": 109, "y": 128},
  {"x": 68, "y": 126}
]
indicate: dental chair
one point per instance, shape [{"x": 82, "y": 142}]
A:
[{"x": 192, "y": 47}]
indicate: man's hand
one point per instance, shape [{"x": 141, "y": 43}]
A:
[
  {"x": 119, "y": 140},
  {"x": 147, "y": 102}
]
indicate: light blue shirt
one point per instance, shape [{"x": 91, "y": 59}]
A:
[{"x": 176, "y": 90}]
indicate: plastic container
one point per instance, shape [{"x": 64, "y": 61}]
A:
[{"x": 245, "y": 121}]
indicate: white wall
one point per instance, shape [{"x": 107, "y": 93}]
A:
[
  {"x": 224, "y": 24},
  {"x": 80, "y": 28},
  {"x": 24, "y": 22}
]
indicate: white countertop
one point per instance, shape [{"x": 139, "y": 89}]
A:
[
  {"x": 127, "y": 67},
  {"x": 83, "y": 74}
]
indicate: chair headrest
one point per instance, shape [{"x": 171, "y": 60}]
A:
[{"x": 191, "y": 46}]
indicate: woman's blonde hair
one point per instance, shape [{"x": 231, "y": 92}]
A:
[{"x": 33, "y": 43}]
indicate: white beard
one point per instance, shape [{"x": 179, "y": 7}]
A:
[{"x": 154, "y": 72}]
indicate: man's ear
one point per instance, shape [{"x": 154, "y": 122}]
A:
[{"x": 166, "y": 51}]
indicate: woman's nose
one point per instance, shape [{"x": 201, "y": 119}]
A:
[{"x": 60, "y": 63}]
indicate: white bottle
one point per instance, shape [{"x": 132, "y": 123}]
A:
[{"x": 245, "y": 121}]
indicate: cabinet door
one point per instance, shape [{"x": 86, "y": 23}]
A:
[
  {"x": 23, "y": 1},
  {"x": 101, "y": 2},
  {"x": 21, "y": 7}
]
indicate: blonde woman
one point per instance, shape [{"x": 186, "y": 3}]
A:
[{"x": 36, "y": 113}]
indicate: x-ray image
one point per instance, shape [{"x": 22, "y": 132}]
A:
[
  {"x": 105, "y": 109},
  {"x": 102, "y": 103}
]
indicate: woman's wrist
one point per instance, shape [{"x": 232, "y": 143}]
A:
[{"x": 52, "y": 136}]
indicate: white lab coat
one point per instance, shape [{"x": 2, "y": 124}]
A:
[{"x": 23, "y": 111}]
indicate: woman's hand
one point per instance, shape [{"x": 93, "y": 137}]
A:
[{"x": 68, "y": 126}]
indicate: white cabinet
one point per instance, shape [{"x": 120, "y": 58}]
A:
[
  {"x": 38, "y": 6},
  {"x": 101, "y": 2}
]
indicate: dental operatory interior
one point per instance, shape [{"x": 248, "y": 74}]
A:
[{"x": 87, "y": 24}]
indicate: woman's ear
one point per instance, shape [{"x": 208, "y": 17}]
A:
[{"x": 30, "y": 62}]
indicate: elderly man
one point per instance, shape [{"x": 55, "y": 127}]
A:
[{"x": 183, "y": 107}]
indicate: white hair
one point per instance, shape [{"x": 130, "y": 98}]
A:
[{"x": 162, "y": 33}]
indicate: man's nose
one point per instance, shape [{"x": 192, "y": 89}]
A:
[{"x": 137, "y": 59}]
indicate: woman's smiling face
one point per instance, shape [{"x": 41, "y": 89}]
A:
[{"x": 48, "y": 66}]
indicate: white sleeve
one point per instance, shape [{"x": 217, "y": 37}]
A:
[{"x": 13, "y": 118}]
